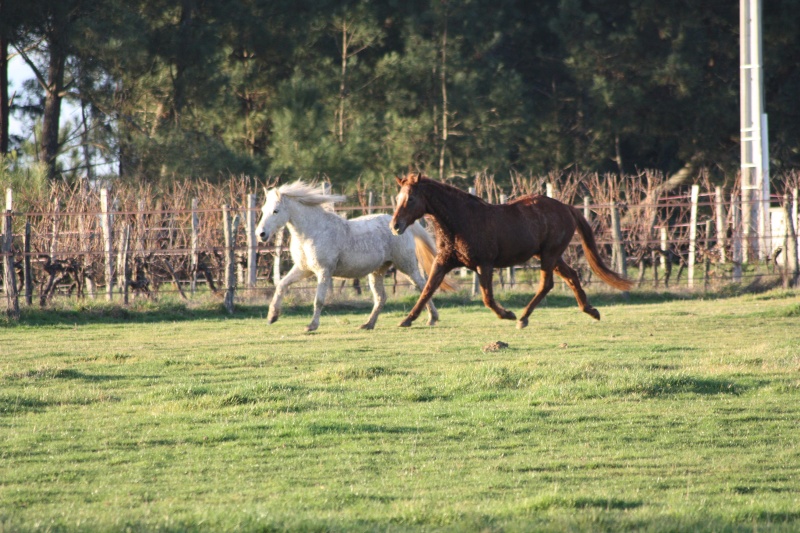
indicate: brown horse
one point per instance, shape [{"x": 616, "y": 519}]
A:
[{"x": 482, "y": 236}]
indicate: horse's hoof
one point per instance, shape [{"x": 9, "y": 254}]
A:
[
  {"x": 509, "y": 315},
  {"x": 432, "y": 322},
  {"x": 522, "y": 323},
  {"x": 594, "y": 313},
  {"x": 271, "y": 319},
  {"x": 405, "y": 323},
  {"x": 311, "y": 327},
  {"x": 367, "y": 326}
]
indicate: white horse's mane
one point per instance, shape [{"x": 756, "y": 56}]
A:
[{"x": 308, "y": 194}]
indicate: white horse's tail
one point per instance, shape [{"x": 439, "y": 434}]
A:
[{"x": 426, "y": 251}]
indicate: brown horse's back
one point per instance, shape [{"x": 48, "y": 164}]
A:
[{"x": 540, "y": 225}]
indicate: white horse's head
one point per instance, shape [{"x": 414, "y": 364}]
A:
[
  {"x": 277, "y": 210},
  {"x": 274, "y": 214}
]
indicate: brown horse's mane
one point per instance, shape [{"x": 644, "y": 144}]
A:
[
  {"x": 448, "y": 212},
  {"x": 452, "y": 190}
]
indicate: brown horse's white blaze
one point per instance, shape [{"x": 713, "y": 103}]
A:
[{"x": 482, "y": 236}]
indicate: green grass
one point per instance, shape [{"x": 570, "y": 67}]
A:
[{"x": 668, "y": 415}]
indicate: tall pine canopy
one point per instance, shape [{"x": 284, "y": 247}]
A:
[{"x": 162, "y": 90}]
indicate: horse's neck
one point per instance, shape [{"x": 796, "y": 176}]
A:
[
  {"x": 443, "y": 205},
  {"x": 306, "y": 221}
]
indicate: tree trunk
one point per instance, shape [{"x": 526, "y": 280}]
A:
[
  {"x": 443, "y": 72},
  {"x": 52, "y": 103},
  {"x": 342, "y": 85}
]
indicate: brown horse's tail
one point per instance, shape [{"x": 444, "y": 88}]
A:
[
  {"x": 426, "y": 252},
  {"x": 593, "y": 255}
]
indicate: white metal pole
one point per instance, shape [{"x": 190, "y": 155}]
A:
[
  {"x": 746, "y": 128},
  {"x": 754, "y": 138}
]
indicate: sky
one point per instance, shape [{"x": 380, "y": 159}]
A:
[{"x": 18, "y": 73}]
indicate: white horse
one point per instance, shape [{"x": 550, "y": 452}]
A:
[{"x": 325, "y": 245}]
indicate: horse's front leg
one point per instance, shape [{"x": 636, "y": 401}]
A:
[
  {"x": 378, "y": 297},
  {"x": 419, "y": 283},
  {"x": 485, "y": 275},
  {"x": 438, "y": 272},
  {"x": 294, "y": 275},
  {"x": 324, "y": 280}
]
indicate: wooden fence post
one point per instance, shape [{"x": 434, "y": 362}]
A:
[
  {"x": 693, "y": 235},
  {"x": 124, "y": 272},
  {"x": 795, "y": 200},
  {"x": 9, "y": 275},
  {"x": 26, "y": 262},
  {"x": 736, "y": 245},
  {"x": 85, "y": 238},
  {"x": 54, "y": 235},
  {"x": 7, "y": 248},
  {"x": 587, "y": 212},
  {"x": 722, "y": 228},
  {"x": 252, "y": 243},
  {"x": 108, "y": 242},
  {"x": 790, "y": 246},
  {"x": 707, "y": 257},
  {"x": 194, "y": 258},
  {"x": 621, "y": 265},
  {"x": 229, "y": 229}
]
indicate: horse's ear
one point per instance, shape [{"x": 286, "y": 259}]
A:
[
  {"x": 413, "y": 178},
  {"x": 265, "y": 193},
  {"x": 399, "y": 180}
]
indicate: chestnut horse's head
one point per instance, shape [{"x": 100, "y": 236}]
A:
[{"x": 410, "y": 204}]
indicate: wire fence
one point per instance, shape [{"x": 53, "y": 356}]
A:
[{"x": 90, "y": 242}]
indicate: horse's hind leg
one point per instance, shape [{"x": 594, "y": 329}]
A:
[
  {"x": 545, "y": 284},
  {"x": 571, "y": 277},
  {"x": 324, "y": 281},
  {"x": 485, "y": 278},
  {"x": 378, "y": 297}
]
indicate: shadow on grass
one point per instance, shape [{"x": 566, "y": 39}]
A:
[
  {"x": 350, "y": 429},
  {"x": 671, "y": 385},
  {"x": 62, "y": 373},
  {"x": 146, "y": 311}
]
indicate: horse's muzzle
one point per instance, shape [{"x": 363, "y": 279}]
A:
[{"x": 397, "y": 227}]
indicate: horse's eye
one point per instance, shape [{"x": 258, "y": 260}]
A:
[{"x": 275, "y": 212}]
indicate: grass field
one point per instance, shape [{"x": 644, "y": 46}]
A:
[{"x": 670, "y": 414}]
